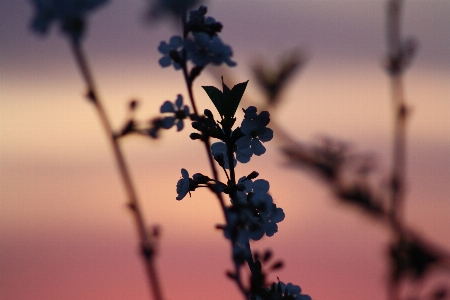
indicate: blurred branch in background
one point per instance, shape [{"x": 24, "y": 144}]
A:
[{"x": 273, "y": 80}]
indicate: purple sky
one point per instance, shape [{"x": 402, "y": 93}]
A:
[{"x": 64, "y": 231}]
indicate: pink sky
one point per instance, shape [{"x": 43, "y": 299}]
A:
[{"x": 64, "y": 230}]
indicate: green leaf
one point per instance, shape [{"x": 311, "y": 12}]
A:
[{"x": 216, "y": 97}]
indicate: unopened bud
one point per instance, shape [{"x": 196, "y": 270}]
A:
[
  {"x": 195, "y": 136},
  {"x": 208, "y": 114},
  {"x": 252, "y": 175}
]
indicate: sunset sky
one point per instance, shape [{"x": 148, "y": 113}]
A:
[{"x": 65, "y": 232}]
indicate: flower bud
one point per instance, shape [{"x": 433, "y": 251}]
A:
[
  {"x": 252, "y": 175},
  {"x": 208, "y": 114},
  {"x": 195, "y": 136},
  {"x": 200, "y": 178}
]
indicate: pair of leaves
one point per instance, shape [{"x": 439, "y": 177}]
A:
[{"x": 226, "y": 101}]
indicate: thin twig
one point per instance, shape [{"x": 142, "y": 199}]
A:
[
  {"x": 400, "y": 111},
  {"x": 398, "y": 173},
  {"x": 146, "y": 240}
]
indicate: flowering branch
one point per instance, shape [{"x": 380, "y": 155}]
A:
[{"x": 252, "y": 213}]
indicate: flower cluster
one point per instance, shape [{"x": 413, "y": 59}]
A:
[
  {"x": 204, "y": 49},
  {"x": 283, "y": 291},
  {"x": 252, "y": 132},
  {"x": 201, "y": 45},
  {"x": 253, "y": 213},
  {"x": 69, "y": 13}
]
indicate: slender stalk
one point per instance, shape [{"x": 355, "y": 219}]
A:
[
  {"x": 188, "y": 81},
  {"x": 399, "y": 107},
  {"x": 147, "y": 243},
  {"x": 399, "y": 151},
  {"x": 398, "y": 172}
]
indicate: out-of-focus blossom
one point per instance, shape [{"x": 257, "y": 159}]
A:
[
  {"x": 273, "y": 80},
  {"x": 70, "y": 14},
  {"x": 171, "y": 50},
  {"x": 179, "y": 110},
  {"x": 174, "y": 8},
  {"x": 206, "y": 49},
  {"x": 199, "y": 23}
]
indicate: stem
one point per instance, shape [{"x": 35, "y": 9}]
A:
[
  {"x": 231, "y": 164},
  {"x": 395, "y": 56},
  {"x": 147, "y": 243},
  {"x": 399, "y": 151},
  {"x": 189, "y": 86}
]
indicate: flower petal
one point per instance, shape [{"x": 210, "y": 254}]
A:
[
  {"x": 250, "y": 112},
  {"x": 257, "y": 147},
  {"x": 271, "y": 228},
  {"x": 184, "y": 173},
  {"x": 261, "y": 186},
  {"x": 180, "y": 125},
  {"x": 175, "y": 42},
  {"x": 164, "y": 48},
  {"x": 167, "y": 107},
  {"x": 179, "y": 101},
  {"x": 165, "y": 61},
  {"x": 218, "y": 148},
  {"x": 247, "y": 126},
  {"x": 263, "y": 119},
  {"x": 265, "y": 134},
  {"x": 167, "y": 122},
  {"x": 183, "y": 185},
  {"x": 243, "y": 155},
  {"x": 256, "y": 234},
  {"x": 277, "y": 215}
]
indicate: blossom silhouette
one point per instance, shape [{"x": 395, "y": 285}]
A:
[
  {"x": 255, "y": 130},
  {"x": 70, "y": 14},
  {"x": 219, "y": 152},
  {"x": 245, "y": 186},
  {"x": 268, "y": 213},
  {"x": 179, "y": 110},
  {"x": 253, "y": 214},
  {"x": 199, "y": 23},
  {"x": 294, "y": 290},
  {"x": 183, "y": 185},
  {"x": 171, "y": 50},
  {"x": 205, "y": 49}
]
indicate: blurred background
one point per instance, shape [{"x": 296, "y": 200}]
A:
[{"x": 65, "y": 232}]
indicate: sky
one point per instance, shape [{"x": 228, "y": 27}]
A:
[{"x": 65, "y": 232}]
